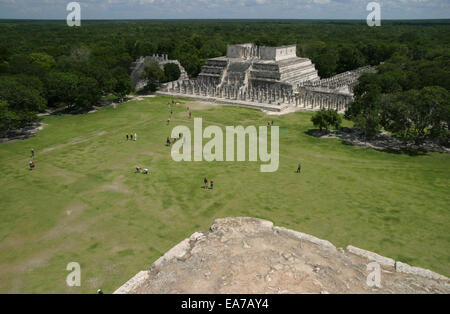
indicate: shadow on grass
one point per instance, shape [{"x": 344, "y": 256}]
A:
[
  {"x": 405, "y": 151},
  {"x": 317, "y": 133},
  {"x": 398, "y": 151},
  {"x": 346, "y": 139}
]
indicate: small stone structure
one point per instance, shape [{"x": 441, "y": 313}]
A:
[
  {"x": 249, "y": 255},
  {"x": 270, "y": 78},
  {"x": 138, "y": 67}
]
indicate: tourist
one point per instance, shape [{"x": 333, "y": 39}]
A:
[
  {"x": 272, "y": 122},
  {"x": 138, "y": 169},
  {"x": 135, "y": 136},
  {"x": 205, "y": 181},
  {"x": 212, "y": 184},
  {"x": 168, "y": 141},
  {"x": 32, "y": 165},
  {"x": 32, "y": 153},
  {"x": 145, "y": 171},
  {"x": 171, "y": 112},
  {"x": 127, "y": 137},
  {"x": 190, "y": 114},
  {"x": 168, "y": 121},
  {"x": 299, "y": 169}
]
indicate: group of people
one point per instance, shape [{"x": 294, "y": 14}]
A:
[
  {"x": 211, "y": 184},
  {"x": 171, "y": 141},
  {"x": 130, "y": 137},
  {"x": 140, "y": 170},
  {"x": 31, "y": 163}
]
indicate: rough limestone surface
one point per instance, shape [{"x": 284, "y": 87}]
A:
[
  {"x": 249, "y": 255},
  {"x": 386, "y": 261}
]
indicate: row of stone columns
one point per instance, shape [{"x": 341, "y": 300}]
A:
[
  {"x": 339, "y": 80},
  {"x": 307, "y": 99}
]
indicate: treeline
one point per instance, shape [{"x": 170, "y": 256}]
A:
[
  {"x": 408, "y": 97},
  {"x": 48, "y": 64}
]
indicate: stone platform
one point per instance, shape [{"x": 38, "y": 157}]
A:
[{"x": 252, "y": 256}]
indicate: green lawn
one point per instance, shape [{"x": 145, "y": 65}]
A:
[{"x": 84, "y": 203}]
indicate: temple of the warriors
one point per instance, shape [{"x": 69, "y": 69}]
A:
[
  {"x": 248, "y": 66},
  {"x": 269, "y": 78}
]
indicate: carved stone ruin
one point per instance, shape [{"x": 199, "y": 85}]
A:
[{"x": 272, "y": 78}]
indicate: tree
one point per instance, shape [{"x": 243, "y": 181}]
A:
[
  {"x": 8, "y": 118},
  {"x": 437, "y": 99},
  {"x": 365, "y": 110},
  {"x": 19, "y": 96},
  {"x": 417, "y": 115},
  {"x": 19, "y": 103},
  {"x": 319, "y": 120},
  {"x": 73, "y": 90},
  {"x": 326, "y": 63},
  {"x": 171, "y": 72},
  {"x": 122, "y": 86},
  {"x": 43, "y": 60},
  {"x": 154, "y": 75},
  {"x": 326, "y": 118},
  {"x": 350, "y": 58}
]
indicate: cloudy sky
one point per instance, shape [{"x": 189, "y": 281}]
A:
[{"x": 187, "y": 9}]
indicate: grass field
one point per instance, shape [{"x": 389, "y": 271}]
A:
[{"x": 84, "y": 203}]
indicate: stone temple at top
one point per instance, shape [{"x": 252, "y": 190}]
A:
[
  {"x": 268, "y": 78},
  {"x": 258, "y": 67}
]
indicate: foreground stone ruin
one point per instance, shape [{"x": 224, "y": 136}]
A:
[
  {"x": 270, "y": 78},
  {"x": 249, "y": 255}
]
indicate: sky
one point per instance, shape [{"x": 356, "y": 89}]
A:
[{"x": 225, "y": 9}]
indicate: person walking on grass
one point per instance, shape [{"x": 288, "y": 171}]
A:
[
  {"x": 299, "y": 169},
  {"x": 205, "y": 181},
  {"x": 135, "y": 136},
  {"x": 32, "y": 153},
  {"x": 212, "y": 184},
  {"x": 127, "y": 136},
  {"x": 190, "y": 114}
]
